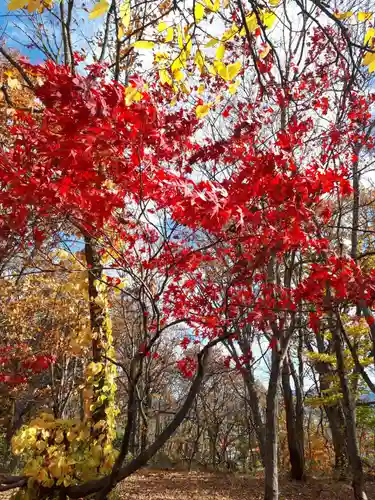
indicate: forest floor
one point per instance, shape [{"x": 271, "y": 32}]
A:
[{"x": 168, "y": 485}]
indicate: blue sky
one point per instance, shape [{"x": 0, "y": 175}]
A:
[
  {"x": 12, "y": 35},
  {"x": 7, "y": 21}
]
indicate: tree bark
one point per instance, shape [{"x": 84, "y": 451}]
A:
[
  {"x": 296, "y": 448},
  {"x": 349, "y": 411},
  {"x": 271, "y": 487}
]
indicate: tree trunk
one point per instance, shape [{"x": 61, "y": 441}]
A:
[
  {"x": 296, "y": 448},
  {"x": 271, "y": 480},
  {"x": 334, "y": 413},
  {"x": 336, "y": 422},
  {"x": 254, "y": 404},
  {"x": 349, "y": 411}
]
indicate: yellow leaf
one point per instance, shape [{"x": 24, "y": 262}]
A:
[
  {"x": 169, "y": 36},
  {"x": 265, "y": 52},
  {"x": 162, "y": 27},
  {"x": 274, "y": 3},
  {"x": 125, "y": 13},
  {"x": 252, "y": 22},
  {"x": 234, "y": 69},
  {"x": 229, "y": 72},
  {"x": 268, "y": 19},
  {"x": 212, "y": 43},
  {"x": 177, "y": 64},
  {"x": 143, "y": 44},
  {"x": 198, "y": 12},
  {"x": 180, "y": 38},
  {"x": 164, "y": 77},
  {"x": 226, "y": 4},
  {"x": 160, "y": 56},
  {"x": 201, "y": 89},
  {"x": 371, "y": 67},
  {"x": 221, "y": 69},
  {"x": 211, "y": 69},
  {"x": 178, "y": 75},
  {"x": 199, "y": 60},
  {"x": 120, "y": 32},
  {"x": 202, "y": 110},
  {"x": 368, "y": 58},
  {"x": 189, "y": 44},
  {"x": 216, "y": 5},
  {"x": 229, "y": 34},
  {"x": 209, "y": 4},
  {"x": 233, "y": 87},
  {"x": 16, "y": 4},
  {"x": 99, "y": 9},
  {"x": 364, "y": 16},
  {"x": 220, "y": 52},
  {"x": 343, "y": 15},
  {"x": 369, "y": 35}
]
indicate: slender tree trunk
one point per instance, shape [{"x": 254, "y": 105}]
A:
[
  {"x": 255, "y": 408},
  {"x": 334, "y": 413},
  {"x": 349, "y": 411},
  {"x": 296, "y": 449},
  {"x": 336, "y": 422},
  {"x": 271, "y": 491}
]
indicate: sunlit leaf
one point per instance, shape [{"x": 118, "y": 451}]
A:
[
  {"x": 99, "y": 9},
  {"x": 143, "y": 44},
  {"x": 125, "y": 13},
  {"x": 268, "y": 19},
  {"x": 364, "y": 16},
  {"x": 202, "y": 110},
  {"x": 162, "y": 26},
  {"x": 220, "y": 52},
  {"x": 234, "y": 69},
  {"x": 216, "y": 5},
  {"x": 169, "y": 36},
  {"x": 198, "y": 12},
  {"x": 212, "y": 43},
  {"x": 180, "y": 39},
  {"x": 199, "y": 60},
  {"x": 233, "y": 87},
  {"x": 343, "y": 15},
  {"x": 165, "y": 77},
  {"x": 178, "y": 75},
  {"x": 16, "y": 4},
  {"x": 369, "y": 35},
  {"x": 265, "y": 52}
]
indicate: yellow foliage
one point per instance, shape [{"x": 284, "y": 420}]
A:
[
  {"x": 202, "y": 110},
  {"x": 143, "y": 44},
  {"x": 343, "y": 15},
  {"x": 99, "y": 9},
  {"x": 198, "y": 11},
  {"x": 364, "y": 16},
  {"x": 125, "y": 14}
]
